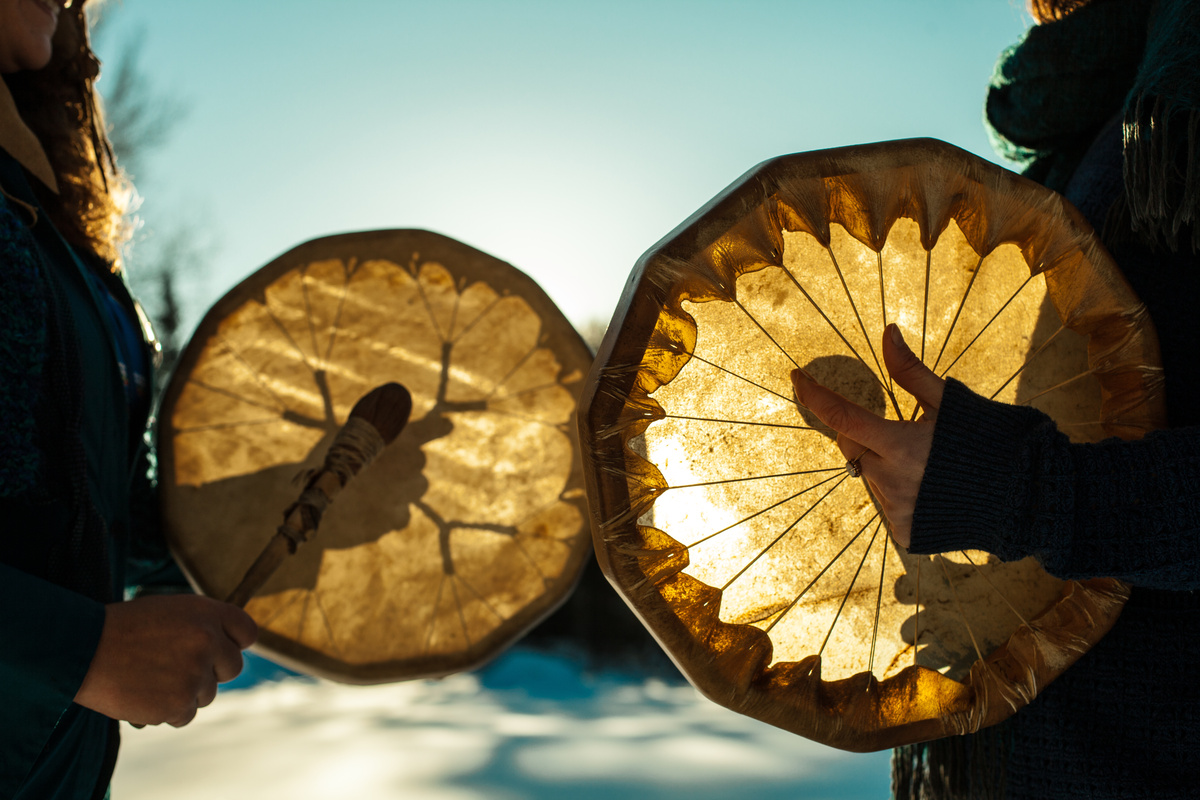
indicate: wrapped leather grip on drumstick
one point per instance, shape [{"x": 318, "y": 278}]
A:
[{"x": 374, "y": 423}]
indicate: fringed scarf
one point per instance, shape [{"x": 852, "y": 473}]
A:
[
  {"x": 1054, "y": 89},
  {"x": 958, "y": 767}
]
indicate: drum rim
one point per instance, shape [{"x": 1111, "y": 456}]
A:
[
  {"x": 794, "y": 698},
  {"x": 396, "y": 246}
]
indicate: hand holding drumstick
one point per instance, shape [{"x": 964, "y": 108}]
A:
[
  {"x": 890, "y": 454},
  {"x": 160, "y": 658}
]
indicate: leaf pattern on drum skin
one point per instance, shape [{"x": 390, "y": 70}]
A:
[{"x": 459, "y": 525}]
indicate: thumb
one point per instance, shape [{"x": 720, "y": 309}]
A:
[{"x": 912, "y": 375}]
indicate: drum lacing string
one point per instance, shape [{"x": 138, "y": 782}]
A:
[{"x": 357, "y": 444}]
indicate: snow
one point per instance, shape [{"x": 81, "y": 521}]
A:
[{"x": 532, "y": 725}]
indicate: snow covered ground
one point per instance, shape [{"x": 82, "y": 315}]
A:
[{"x": 529, "y": 726}]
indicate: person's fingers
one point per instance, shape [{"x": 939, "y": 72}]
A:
[
  {"x": 227, "y": 661},
  {"x": 182, "y": 718},
  {"x": 869, "y": 462},
  {"x": 907, "y": 370},
  {"x": 238, "y": 625},
  {"x": 847, "y": 418},
  {"x": 207, "y": 691},
  {"x": 850, "y": 448}
]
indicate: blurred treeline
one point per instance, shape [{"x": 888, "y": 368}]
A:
[
  {"x": 158, "y": 259},
  {"x": 594, "y": 623}
]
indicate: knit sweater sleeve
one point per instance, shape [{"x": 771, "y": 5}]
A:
[
  {"x": 49, "y": 636},
  {"x": 1003, "y": 479}
]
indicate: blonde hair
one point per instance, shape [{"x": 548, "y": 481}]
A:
[
  {"x": 60, "y": 105},
  {"x": 1050, "y": 10}
]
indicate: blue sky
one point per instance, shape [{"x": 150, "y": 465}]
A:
[{"x": 563, "y": 137}]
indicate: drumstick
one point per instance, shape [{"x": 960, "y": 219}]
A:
[{"x": 374, "y": 422}]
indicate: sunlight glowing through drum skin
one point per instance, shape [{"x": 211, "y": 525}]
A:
[
  {"x": 463, "y": 533},
  {"x": 774, "y": 326},
  {"x": 725, "y": 514}
]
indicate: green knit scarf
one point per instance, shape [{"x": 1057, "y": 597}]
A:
[{"x": 1054, "y": 89}]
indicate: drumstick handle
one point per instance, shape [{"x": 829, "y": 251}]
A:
[
  {"x": 278, "y": 549},
  {"x": 375, "y": 422},
  {"x": 299, "y": 525}
]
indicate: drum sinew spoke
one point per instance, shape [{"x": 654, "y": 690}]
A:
[
  {"x": 862, "y": 327},
  {"x": 336, "y": 324},
  {"x": 291, "y": 341},
  {"x": 303, "y": 616},
  {"x": 328, "y": 625},
  {"x": 308, "y": 312},
  {"x": 466, "y": 328},
  {"x": 462, "y": 619},
  {"x": 925, "y": 304},
  {"x": 742, "y": 422},
  {"x": 962, "y": 614},
  {"x": 850, "y": 588},
  {"x": 274, "y": 615},
  {"x": 785, "y": 532},
  {"x": 1057, "y": 386},
  {"x": 756, "y": 478},
  {"x": 1028, "y": 360},
  {"x": 525, "y": 418},
  {"x": 520, "y": 392},
  {"x": 703, "y": 360},
  {"x": 762, "y": 511},
  {"x": 766, "y": 333},
  {"x": 958, "y": 313},
  {"x": 235, "y": 396},
  {"x": 986, "y": 326},
  {"x": 816, "y": 307},
  {"x": 433, "y": 613},
  {"x": 478, "y": 596},
  {"x": 824, "y": 569},
  {"x": 454, "y": 315},
  {"x": 251, "y": 371},
  {"x": 513, "y": 371},
  {"x": 437, "y": 329},
  {"x": 878, "y": 606},
  {"x": 995, "y": 588},
  {"x": 883, "y": 314},
  {"x": 525, "y": 553}
]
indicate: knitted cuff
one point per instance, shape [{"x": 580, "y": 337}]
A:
[{"x": 975, "y": 478}]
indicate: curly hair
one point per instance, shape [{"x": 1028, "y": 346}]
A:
[
  {"x": 1050, "y": 10},
  {"x": 60, "y": 105}
]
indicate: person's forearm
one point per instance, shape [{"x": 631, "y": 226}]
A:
[{"x": 1004, "y": 479}]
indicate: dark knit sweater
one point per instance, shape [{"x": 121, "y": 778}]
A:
[
  {"x": 1124, "y": 722},
  {"x": 76, "y": 515}
]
